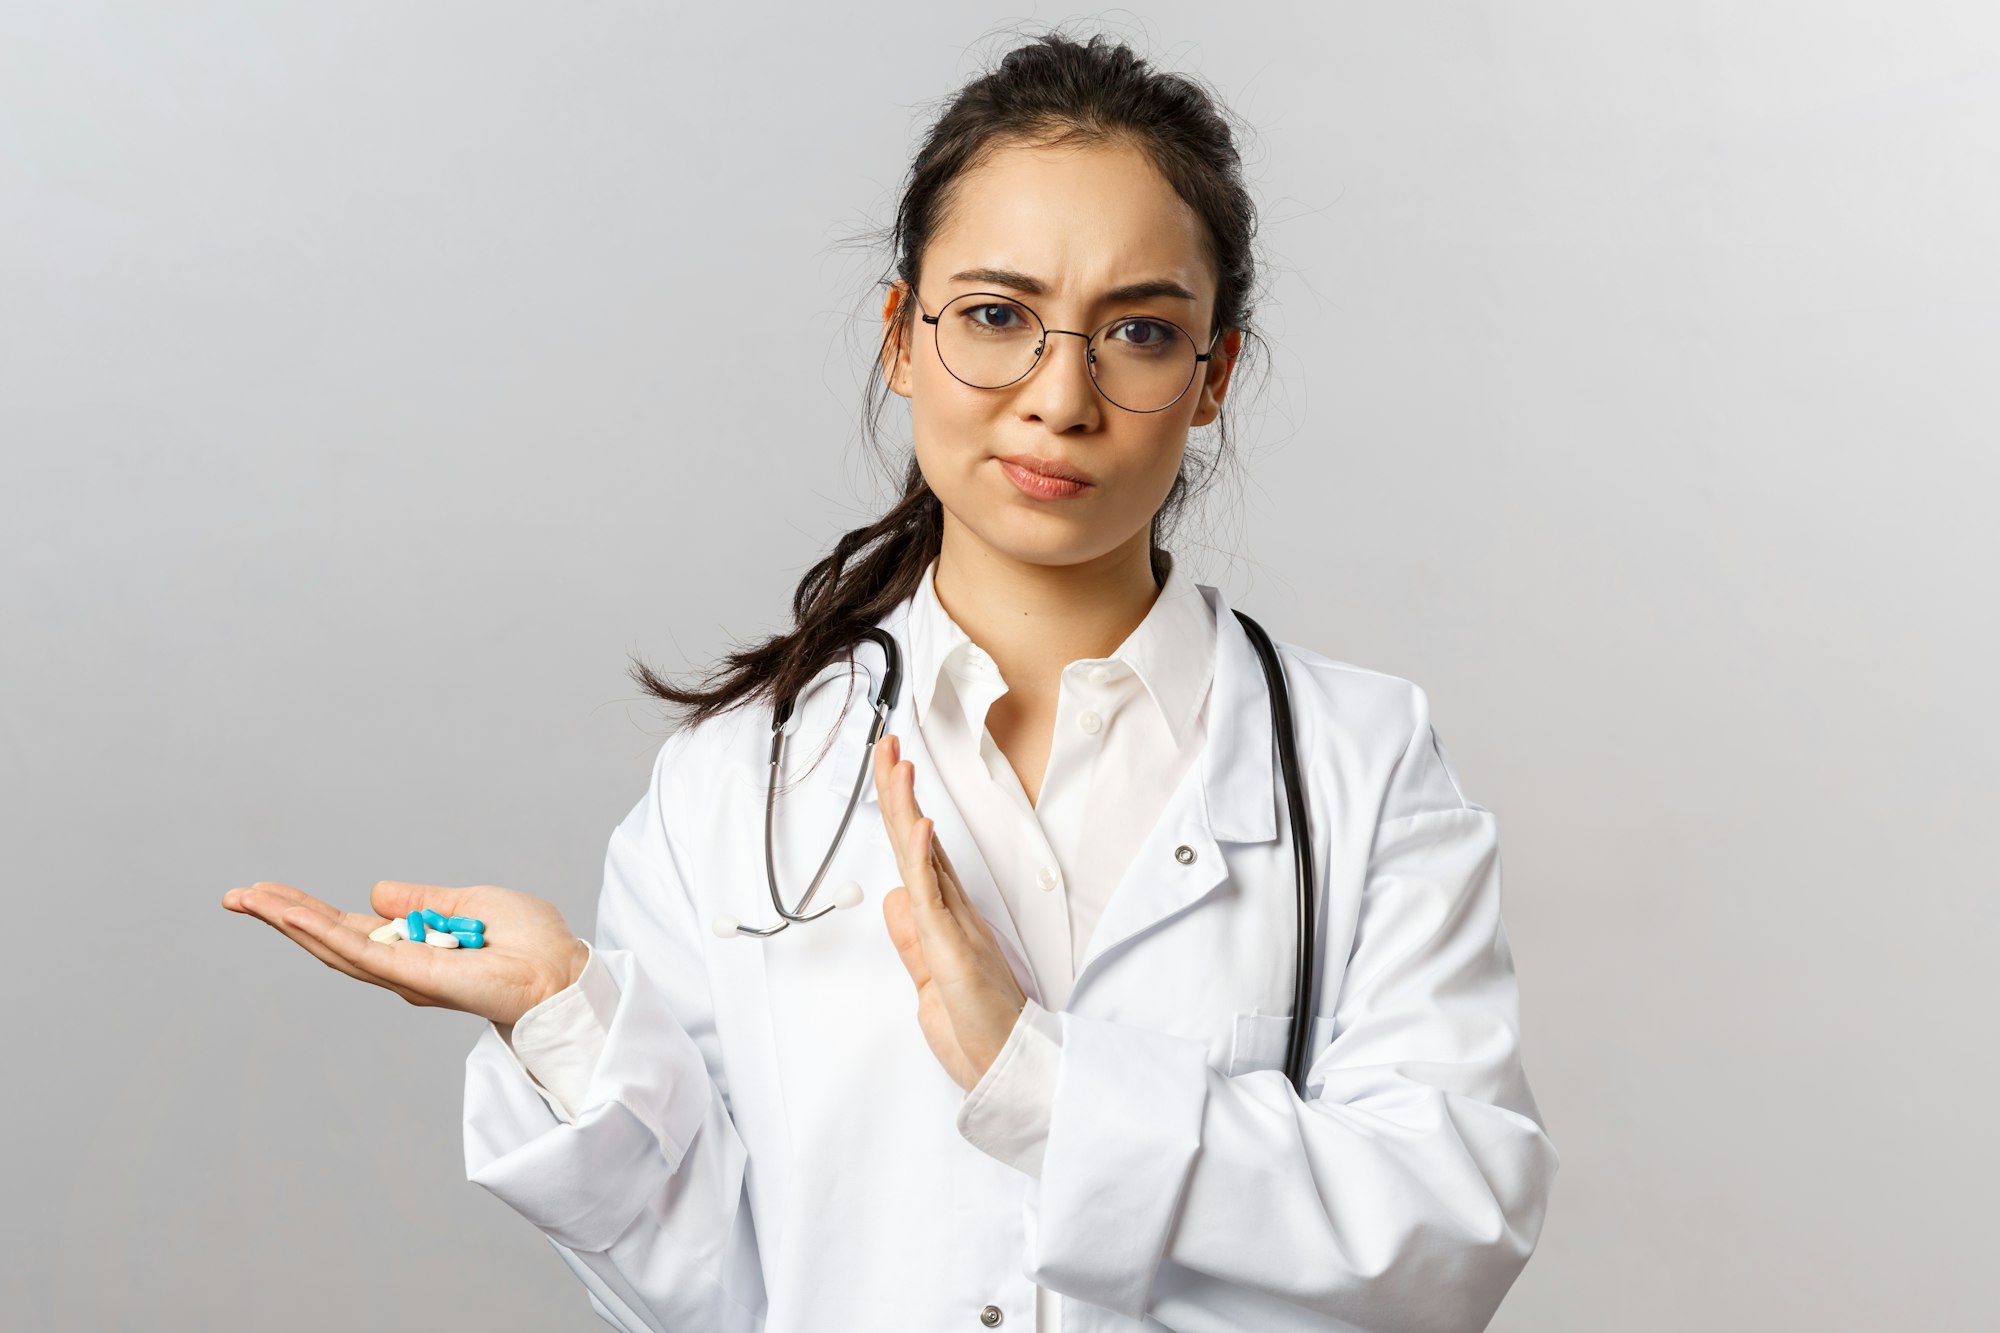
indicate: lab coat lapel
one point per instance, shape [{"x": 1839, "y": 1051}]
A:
[
  {"x": 932, "y": 798},
  {"x": 1235, "y": 800}
]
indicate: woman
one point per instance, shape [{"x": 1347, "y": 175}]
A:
[{"x": 1084, "y": 1125}]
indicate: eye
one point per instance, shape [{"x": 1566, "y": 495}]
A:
[
  {"x": 994, "y": 317},
  {"x": 1150, "y": 335}
]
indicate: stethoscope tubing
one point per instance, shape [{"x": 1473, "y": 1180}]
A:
[
  {"x": 884, "y": 703},
  {"x": 1302, "y": 851}
]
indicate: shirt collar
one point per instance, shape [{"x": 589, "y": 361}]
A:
[{"x": 1171, "y": 651}]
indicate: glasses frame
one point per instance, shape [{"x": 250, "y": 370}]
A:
[{"x": 1041, "y": 345}]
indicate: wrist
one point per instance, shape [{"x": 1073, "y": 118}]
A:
[
  {"x": 579, "y": 956},
  {"x": 559, "y": 981}
]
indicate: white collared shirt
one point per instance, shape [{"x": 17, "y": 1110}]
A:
[{"x": 1127, "y": 729}]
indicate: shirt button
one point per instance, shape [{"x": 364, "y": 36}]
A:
[
  {"x": 990, "y": 1316},
  {"x": 1184, "y": 854},
  {"x": 1048, "y": 878},
  {"x": 1098, "y": 674},
  {"x": 1089, "y": 721}
]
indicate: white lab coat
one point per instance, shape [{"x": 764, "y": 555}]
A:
[{"x": 769, "y": 1144}]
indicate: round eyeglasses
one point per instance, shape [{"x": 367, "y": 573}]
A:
[{"x": 1142, "y": 363}]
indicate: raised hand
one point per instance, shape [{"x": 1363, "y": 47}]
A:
[
  {"x": 529, "y": 954},
  {"x": 967, "y": 996}
]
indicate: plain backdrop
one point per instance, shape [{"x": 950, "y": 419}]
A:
[{"x": 376, "y": 378}]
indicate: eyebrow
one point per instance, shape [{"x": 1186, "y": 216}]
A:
[{"x": 1022, "y": 282}]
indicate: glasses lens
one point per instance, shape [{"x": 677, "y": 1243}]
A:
[
  {"x": 1143, "y": 364},
  {"x": 986, "y": 340}
]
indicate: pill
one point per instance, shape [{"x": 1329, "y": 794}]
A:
[
  {"x": 386, "y": 933},
  {"x": 469, "y": 939},
  {"x": 459, "y": 923},
  {"x": 441, "y": 939},
  {"x": 432, "y": 919},
  {"x": 415, "y": 926}
]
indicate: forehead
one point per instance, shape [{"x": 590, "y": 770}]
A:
[{"x": 1081, "y": 219}]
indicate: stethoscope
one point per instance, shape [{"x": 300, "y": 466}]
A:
[{"x": 884, "y": 690}]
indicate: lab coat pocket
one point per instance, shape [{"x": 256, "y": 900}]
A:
[{"x": 1262, "y": 1040}]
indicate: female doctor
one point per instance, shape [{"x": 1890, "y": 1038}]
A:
[{"x": 1041, "y": 1087}]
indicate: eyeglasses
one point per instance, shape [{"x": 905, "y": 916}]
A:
[{"x": 989, "y": 341}]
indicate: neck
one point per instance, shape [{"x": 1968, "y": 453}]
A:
[{"x": 1033, "y": 619}]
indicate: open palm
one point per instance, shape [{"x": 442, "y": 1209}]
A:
[{"x": 529, "y": 955}]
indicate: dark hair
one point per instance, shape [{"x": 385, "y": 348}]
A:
[{"x": 1050, "y": 91}]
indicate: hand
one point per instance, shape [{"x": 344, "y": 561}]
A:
[
  {"x": 529, "y": 954},
  {"x": 967, "y": 997}
]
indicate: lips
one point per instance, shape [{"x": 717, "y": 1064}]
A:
[
  {"x": 1039, "y": 485},
  {"x": 1049, "y": 467}
]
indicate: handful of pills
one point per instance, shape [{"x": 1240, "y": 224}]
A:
[{"x": 424, "y": 926}]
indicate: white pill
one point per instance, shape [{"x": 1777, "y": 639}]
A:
[
  {"x": 385, "y": 932},
  {"x": 440, "y": 939}
]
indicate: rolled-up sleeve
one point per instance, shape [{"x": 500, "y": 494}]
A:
[
  {"x": 628, "y": 1161},
  {"x": 1006, "y": 1114},
  {"x": 558, "y": 1042}
]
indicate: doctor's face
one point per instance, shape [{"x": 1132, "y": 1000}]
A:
[{"x": 1057, "y": 230}]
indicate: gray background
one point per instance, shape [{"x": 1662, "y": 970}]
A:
[{"x": 375, "y": 377}]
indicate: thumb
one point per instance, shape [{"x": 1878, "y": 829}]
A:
[{"x": 395, "y": 897}]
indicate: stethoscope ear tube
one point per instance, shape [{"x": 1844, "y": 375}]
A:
[
  {"x": 1302, "y": 857},
  {"x": 884, "y": 690}
]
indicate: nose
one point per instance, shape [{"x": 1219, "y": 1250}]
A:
[
  {"x": 1062, "y": 394},
  {"x": 1049, "y": 345}
]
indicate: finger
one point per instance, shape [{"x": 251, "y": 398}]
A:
[
  {"x": 295, "y": 898},
  {"x": 895, "y": 815},
  {"x": 903, "y": 934},
  {"x": 896, "y": 793},
  {"x": 947, "y": 873},
  {"x": 234, "y": 898},
  {"x": 970, "y": 917},
  {"x": 909, "y": 769},
  {"x": 951, "y": 890},
  {"x": 390, "y": 966},
  {"x": 395, "y": 897},
  {"x": 892, "y": 824},
  {"x": 933, "y": 912},
  {"x": 901, "y": 800},
  {"x": 310, "y": 931}
]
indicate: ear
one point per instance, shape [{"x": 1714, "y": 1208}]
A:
[
  {"x": 896, "y": 343},
  {"x": 1208, "y": 404}
]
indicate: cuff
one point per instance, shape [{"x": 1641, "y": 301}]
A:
[
  {"x": 1122, "y": 1142},
  {"x": 584, "y": 1182},
  {"x": 559, "y": 1040},
  {"x": 1006, "y": 1114}
]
